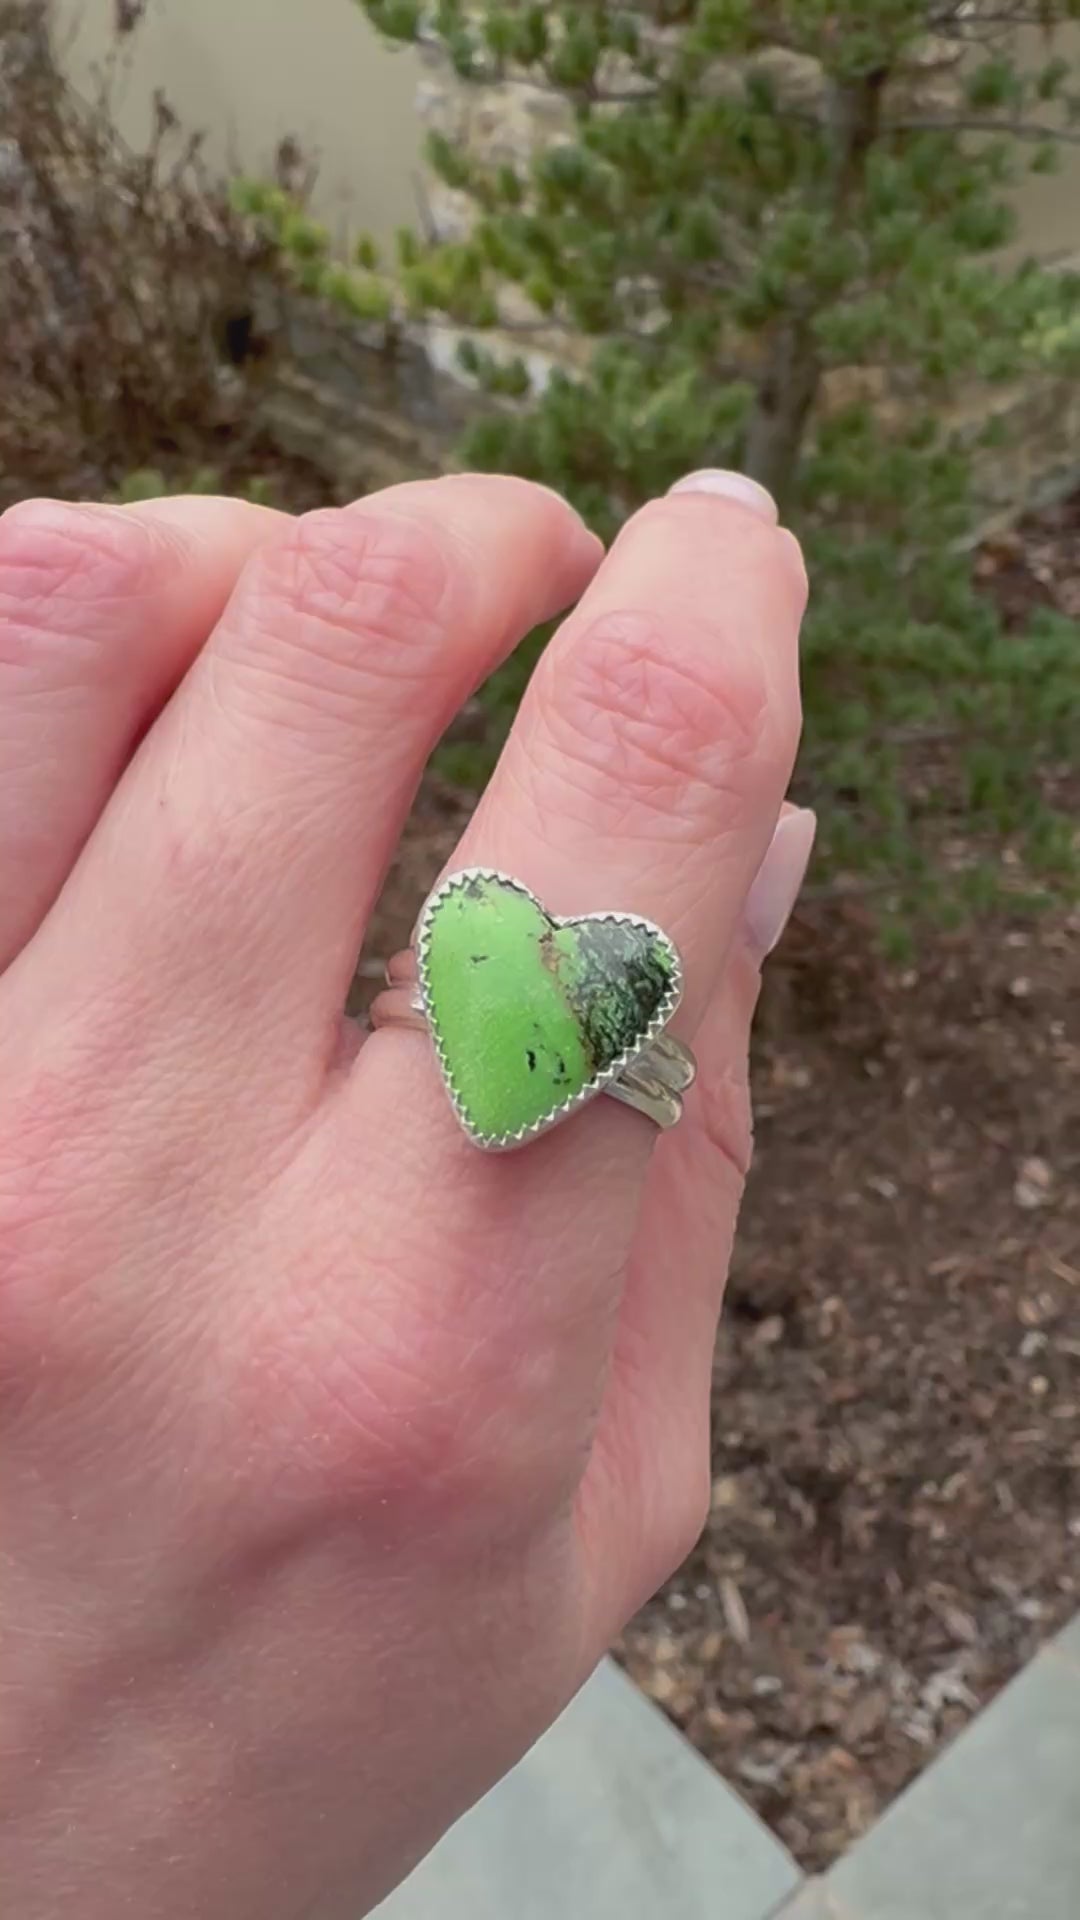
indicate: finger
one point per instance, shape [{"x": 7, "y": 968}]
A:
[
  {"x": 653, "y": 749},
  {"x": 101, "y": 611},
  {"x": 644, "y": 1496},
  {"x": 645, "y": 773},
  {"x": 647, "y": 766},
  {"x": 250, "y": 840}
]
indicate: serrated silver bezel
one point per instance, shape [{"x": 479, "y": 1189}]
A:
[{"x": 506, "y": 1142}]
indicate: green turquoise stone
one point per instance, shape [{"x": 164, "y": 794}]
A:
[{"x": 529, "y": 1012}]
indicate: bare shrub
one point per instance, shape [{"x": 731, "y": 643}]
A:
[{"x": 128, "y": 287}]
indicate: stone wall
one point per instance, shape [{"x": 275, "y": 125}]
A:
[
  {"x": 368, "y": 413},
  {"x": 370, "y": 417}
]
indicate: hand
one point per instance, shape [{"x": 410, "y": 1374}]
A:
[{"x": 334, "y": 1451}]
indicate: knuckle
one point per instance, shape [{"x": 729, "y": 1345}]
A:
[
  {"x": 661, "y": 1484},
  {"x": 363, "y": 1428},
  {"x": 640, "y": 717},
  {"x": 364, "y": 593},
  {"x": 686, "y": 1513},
  {"x": 379, "y": 1393},
  {"x": 664, "y": 1478},
  {"x": 62, "y": 565}
]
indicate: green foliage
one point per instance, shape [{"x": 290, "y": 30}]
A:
[
  {"x": 149, "y": 483},
  {"x": 783, "y": 240},
  {"x": 357, "y": 288}
]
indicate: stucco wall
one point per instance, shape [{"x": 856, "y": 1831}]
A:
[{"x": 249, "y": 72}]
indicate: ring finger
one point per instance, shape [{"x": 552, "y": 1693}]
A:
[{"x": 645, "y": 774}]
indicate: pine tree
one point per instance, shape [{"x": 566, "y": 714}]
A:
[{"x": 779, "y": 224}]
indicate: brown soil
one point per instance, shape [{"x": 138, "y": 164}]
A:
[
  {"x": 896, "y": 1460},
  {"x": 896, "y": 1494}
]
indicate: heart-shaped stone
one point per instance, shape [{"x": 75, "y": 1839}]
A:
[{"x": 531, "y": 1015}]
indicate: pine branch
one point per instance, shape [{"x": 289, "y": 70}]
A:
[
  {"x": 960, "y": 24},
  {"x": 1005, "y": 129}
]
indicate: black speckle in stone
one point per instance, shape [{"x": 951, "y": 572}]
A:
[
  {"x": 478, "y": 958},
  {"x": 475, "y": 888},
  {"x": 531, "y": 1058}
]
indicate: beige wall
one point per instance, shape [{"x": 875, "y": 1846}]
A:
[
  {"x": 1049, "y": 203},
  {"x": 251, "y": 71}
]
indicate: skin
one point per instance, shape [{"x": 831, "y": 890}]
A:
[{"x": 334, "y": 1452}]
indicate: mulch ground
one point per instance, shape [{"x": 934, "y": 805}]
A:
[{"x": 895, "y": 1520}]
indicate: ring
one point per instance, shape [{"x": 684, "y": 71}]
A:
[{"x": 532, "y": 1016}]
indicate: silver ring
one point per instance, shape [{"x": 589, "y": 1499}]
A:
[{"x": 531, "y": 1015}]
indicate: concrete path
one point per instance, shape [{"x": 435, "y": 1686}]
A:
[
  {"x": 991, "y": 1830},
  {"x": 613, "y": 1816}
]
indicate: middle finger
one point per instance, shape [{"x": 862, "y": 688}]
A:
[{"x": 242, "y": 854}]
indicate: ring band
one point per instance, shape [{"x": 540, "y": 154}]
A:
[{"x": 531, "y": 1016}]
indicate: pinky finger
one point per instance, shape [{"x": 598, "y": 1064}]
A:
[{"x": 645, "y": 1495}]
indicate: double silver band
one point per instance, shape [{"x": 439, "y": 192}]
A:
[{"x": 653, "y": 1083}]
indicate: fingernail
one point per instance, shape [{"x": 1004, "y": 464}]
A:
[
  {"x": 779, "y": 879},
  {"x": 734, "y": 486}
]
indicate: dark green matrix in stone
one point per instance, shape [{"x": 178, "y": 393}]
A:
[{"x": 614, "y": 975}]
